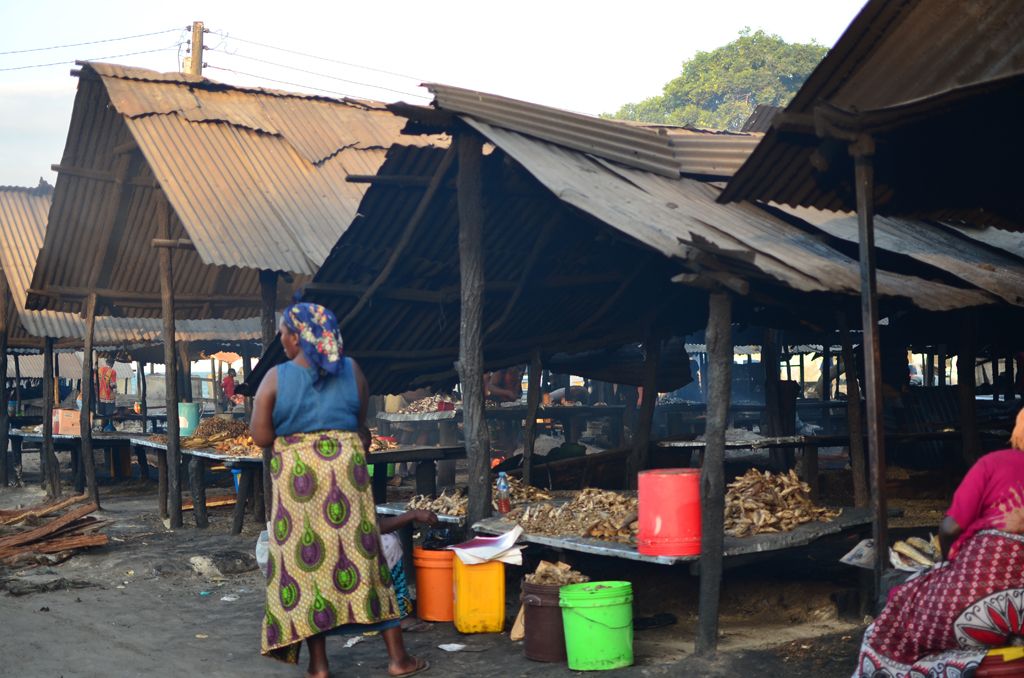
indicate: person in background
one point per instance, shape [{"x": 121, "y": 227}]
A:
[
  {"x": 327, "y": 570},
  {"x": 504, "y": 386},
  {"x": 947, "y": 618},
  {"x": 106, "y": 393},
  {"x": 393, "y": 553},
  {"x": 227, "y": 387}
]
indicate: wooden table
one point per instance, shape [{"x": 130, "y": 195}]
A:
[
  {"x": 115, "y": 446},
  {"x": 569, "y": 416},
  {"x": 157, "y": 422},
  {"x": 738, "y": 550},
  {"x": 426, "y": 459}
]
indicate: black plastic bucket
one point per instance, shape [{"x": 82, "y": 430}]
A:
[{"x": 545, "y": 636}]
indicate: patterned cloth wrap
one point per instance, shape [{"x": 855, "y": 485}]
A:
[
  {"x": 942, "y": 623},
  {"x": 319, "y": 338},
  {"x": 326, "y": 565}
]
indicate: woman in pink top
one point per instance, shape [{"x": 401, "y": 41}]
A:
[{"x": 943, "y": 622}]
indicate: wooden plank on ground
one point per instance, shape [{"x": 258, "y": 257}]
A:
[{"x": 44, "y": 531}]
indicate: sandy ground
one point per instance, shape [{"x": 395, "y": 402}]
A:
[{"x": 138, "y": 608}]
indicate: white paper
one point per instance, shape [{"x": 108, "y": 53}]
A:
[
  {"x": 484, "y": 549},
  {"x": 862, "y": 555}
]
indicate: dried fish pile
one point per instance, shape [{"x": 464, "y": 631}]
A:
[
  {"x": 430, "y": 404},
  {"x": 446, "y": 504},
  {"x": 915, "y": 553},
  {"x": 221, "y": 428},
  {"x": 519, "y": 492},
  {"x": 241, "y": 446},
  {"x": 758, "y": 503},
  {"x": 555, "y": 574},
  {"x": 600, "y": 514},
  {"x": 378, "y": 444}
]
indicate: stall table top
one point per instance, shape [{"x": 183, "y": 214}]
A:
[{"x": 801, "y": 535}]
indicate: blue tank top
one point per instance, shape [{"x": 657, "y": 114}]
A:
[{"x": 300, "y": 408}]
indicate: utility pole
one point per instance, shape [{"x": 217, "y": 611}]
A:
[{"x": 194, "y": 62}]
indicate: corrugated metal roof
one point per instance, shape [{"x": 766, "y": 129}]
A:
[
  {"x": 666, "y": 214},
  {"x": 894, "y": 57},
  {"x": 256, "y": 180},
  {"x": 23, "y": 215},
  {"x": 665, "y": 150},
  {"x": 30, "y": 365}
]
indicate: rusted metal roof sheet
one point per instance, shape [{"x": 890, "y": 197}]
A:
[
  {"x": 664, "y": 150},
  {"x": 894, "y": 57},
  {"x": 23, "y": 215},
  {"x": 30, "y": 365},
  {"x": 255, "y": 178},
  {"x": 668, "y": 215},
  {"x": 942, "y": 247}
]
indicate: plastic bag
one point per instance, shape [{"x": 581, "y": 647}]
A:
[{"x": 263, "y": 552}]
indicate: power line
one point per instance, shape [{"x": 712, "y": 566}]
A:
[
  {"x": 281, "y": 82},
  {"x": 92, "y": 42},
  {"x": 71, "y": 61},
  {"x": 321, "y": 58},
  {"x": 325, "y": 75}
]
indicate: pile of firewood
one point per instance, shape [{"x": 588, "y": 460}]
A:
[
  {"x": 28, "y": 537},
  {"x": 758, "y": 503}
]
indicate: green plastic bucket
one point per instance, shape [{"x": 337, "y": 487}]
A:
[
  {"x": 598, "y": 621},
  {"x": 188, "y": 418}
]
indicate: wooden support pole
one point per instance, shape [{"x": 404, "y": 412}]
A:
[
  {"x": 642, "y": 436},
  {"x": 48, "y": 458},
  {"x": 5, "y": 421},
  {"x": 863, "y": 152},
  {"x": 943, "y": 357},
  {"x": 826, "y": 384},
  {"x": 245, "y": 377},
  {"x": 185, "y": 370},
  {"x": 966, "y": 386},
  {"x": 854, "y": 418},
  {"x": 268, "y": 331},
  {"x": 532, "y": 403},
  {"x": 87, "y": 459},
  {"x": 197, "y": 486},
  {"x": 17, "y": 383},
  {"x": 170, "y": 372},
  {"x": 471, "y": 358},
  {"x": 213, "y": 386},
  {"x": 772, "y": 423},
  {"x": 143, "y": 409},
  {"x": 1010, "y": 392},
  {"x": 712, "y": 483}
]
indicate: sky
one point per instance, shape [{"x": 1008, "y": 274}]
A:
[{"x": 589, "y": 57}]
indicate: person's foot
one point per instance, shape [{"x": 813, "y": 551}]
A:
[
  {"x": 318, "y": 674},
  {"x": 408, "y": 666},
  {"x": 395, "y": 481}
]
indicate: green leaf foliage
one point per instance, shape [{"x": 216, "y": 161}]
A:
[{"x": 720, "y": 89}]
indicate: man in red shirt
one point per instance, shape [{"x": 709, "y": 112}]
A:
[
  {"x": 227, "y": 385},
  {"x": 106, "y": 390}
]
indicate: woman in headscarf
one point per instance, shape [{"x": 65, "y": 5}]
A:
[
  {"x": 942, "y": 622},
  {"x": 327, "y": 571}
]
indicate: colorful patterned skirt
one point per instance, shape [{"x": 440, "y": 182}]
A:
[
  {"x": 326, "y": 565},
  {"x": 943, "y": 622}
]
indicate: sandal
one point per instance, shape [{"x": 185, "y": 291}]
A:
[{"x": 421, "y": 666}]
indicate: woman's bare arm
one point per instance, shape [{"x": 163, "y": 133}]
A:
[
  {"x": 949, "y": 530},
  {"x": 262, "y": 423}
]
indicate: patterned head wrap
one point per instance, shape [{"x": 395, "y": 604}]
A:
[{"x": 319, "y": 338}]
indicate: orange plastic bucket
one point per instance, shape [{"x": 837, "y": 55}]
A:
[
  {"x": 669, "y": 512},
  {"x": 435, "y": 598}
]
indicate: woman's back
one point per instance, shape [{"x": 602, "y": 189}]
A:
[{"x": 301, "y": 408}]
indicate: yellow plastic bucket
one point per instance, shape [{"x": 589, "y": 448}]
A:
[{"x": 479, "y": 597}]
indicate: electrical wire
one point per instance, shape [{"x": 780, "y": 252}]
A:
[
  {"x": 314, "y": 56},
  {"x": 91, "y": 42},
  {"x": 99, "y": 58},
  {"x": 325, "y": 75},
  {"x": 281, "y": 82}
]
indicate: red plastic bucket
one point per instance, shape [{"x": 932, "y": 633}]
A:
[{"x": 669, "y": 512}]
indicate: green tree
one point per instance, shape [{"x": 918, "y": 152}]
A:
[{"x": 720, "y": 89}]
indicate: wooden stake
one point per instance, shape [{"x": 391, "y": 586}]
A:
[
  {"x": 17, "y": 383},
  {"x": 142, "y": 395},
  {"x": 858, "y": 465},
  {"x": 87, "y": 459},
  {"x": 213, "y": 386},
  {"x": 268, "y": 328},
  {"x": 642, "y": 436},
  {"x": 966, "y": 385},
  {"x": 773, "y": 395},
  {"x": 532, "y": 403},
  {"x": 49, "y": 465},
  {"x": 712, "y": 482},
  {"x": 863, "y": 151},
  {"x": 471, "y": 358},
  {"x": 185, "y": 370},
  {"x": 170, "y": 372},
  {"x": 4, "y": 413}
]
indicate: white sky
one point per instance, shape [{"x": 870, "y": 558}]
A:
[{"x": 590, "y": 57}]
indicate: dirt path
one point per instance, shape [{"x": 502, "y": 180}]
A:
[{"x": 138, "y": 608}]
